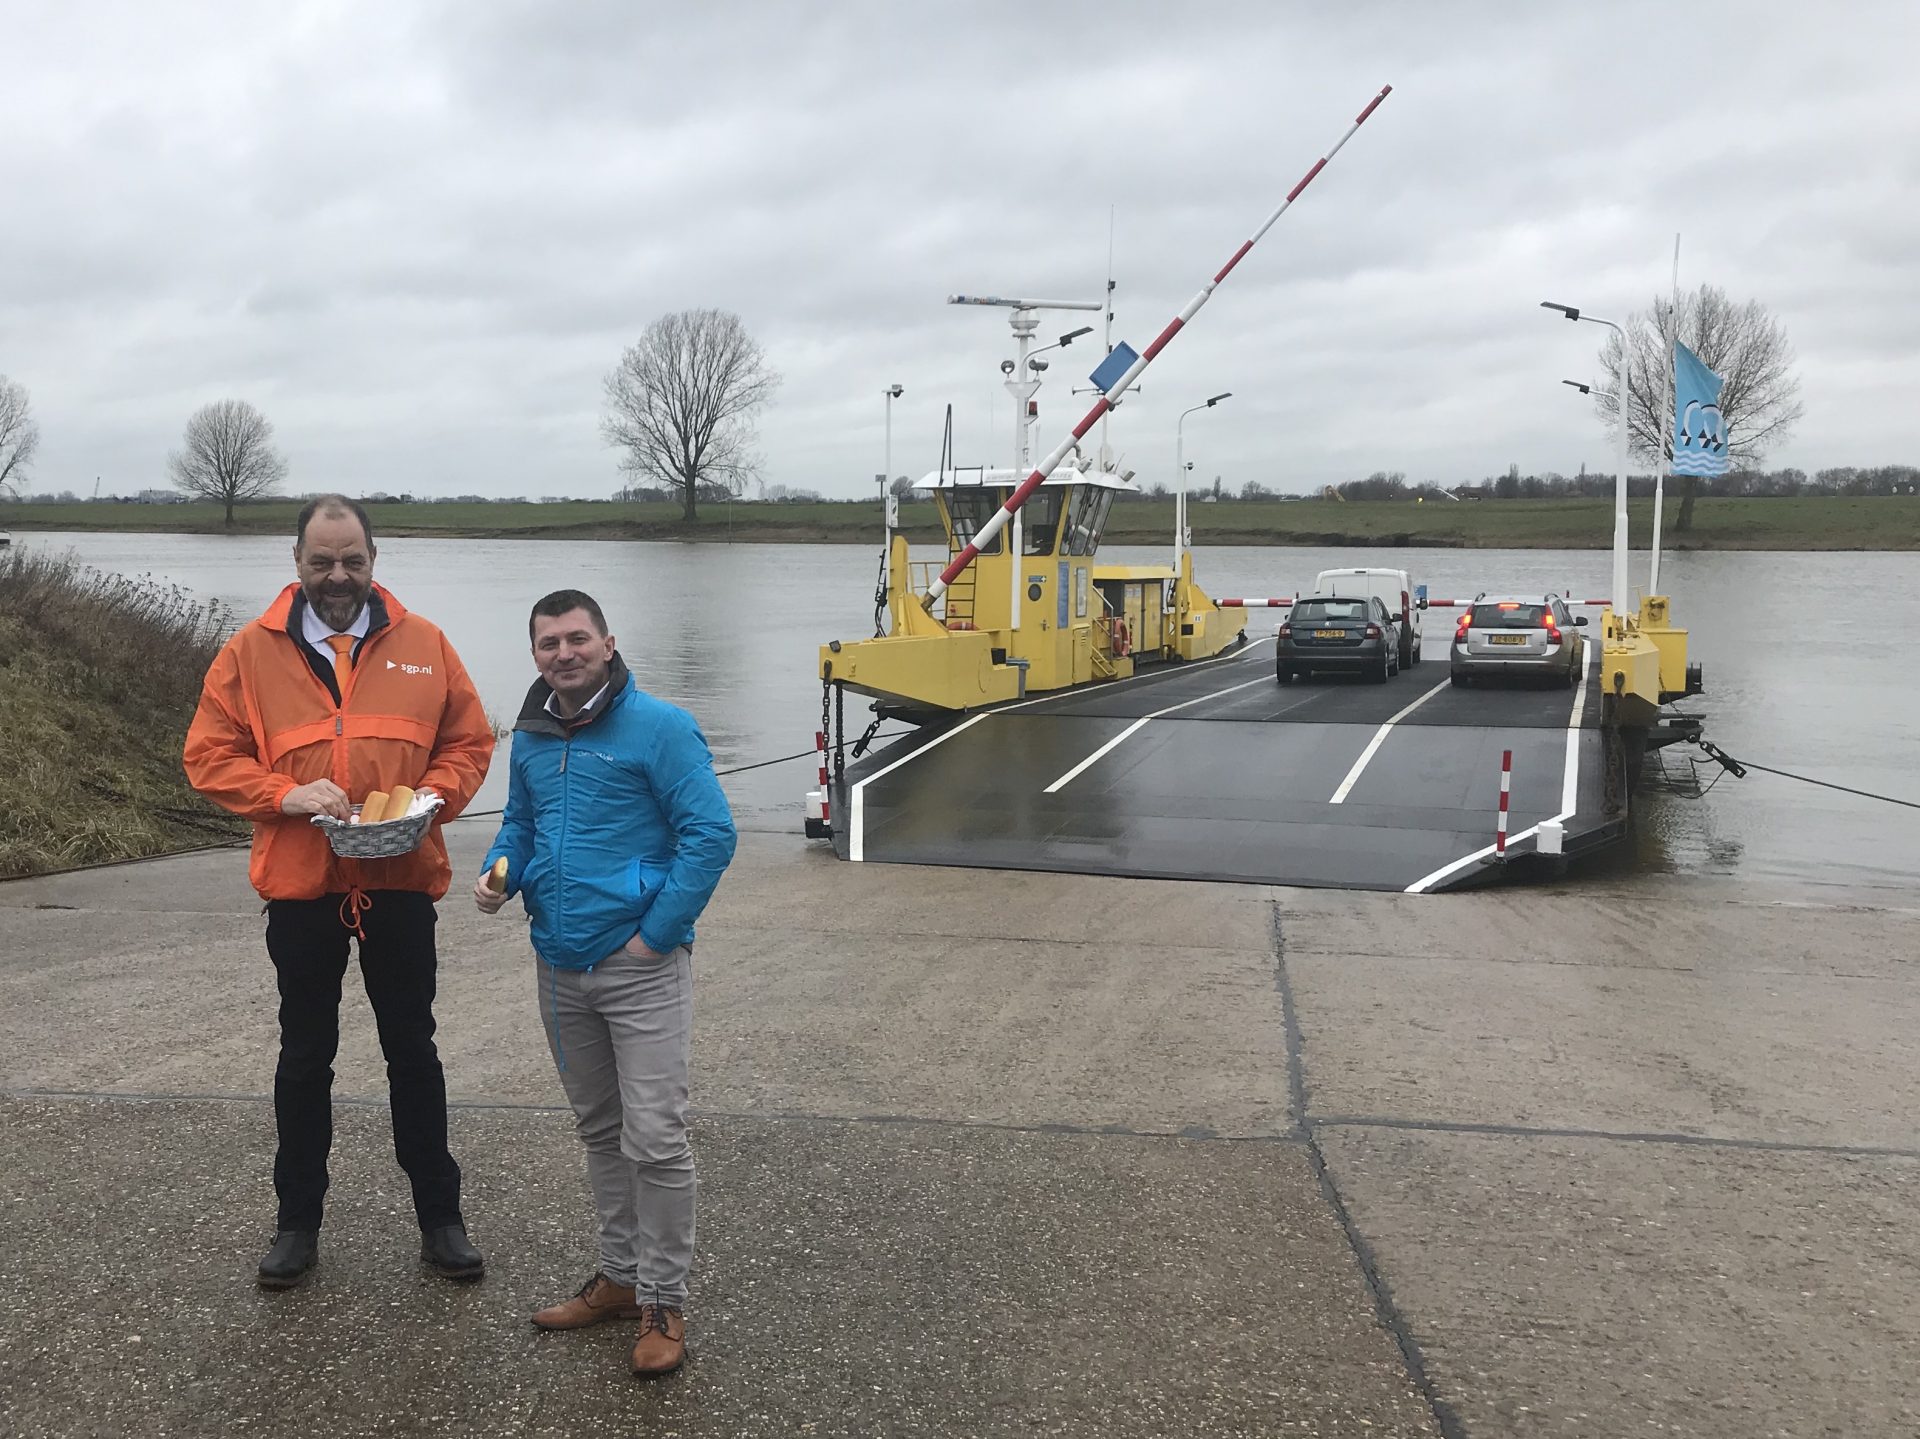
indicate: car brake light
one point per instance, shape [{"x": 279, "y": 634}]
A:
[
  {"x": 1460, "y": 630},
  {"x": 1373, "y": 632},
  {"x": 1553, "y": 632},
  {"x": 1509, "y": 604},
  {"x": 1286, "y": 630}
]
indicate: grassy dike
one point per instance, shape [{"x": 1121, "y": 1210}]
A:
[
  {"x": 98, "y": 680},
  {"x": 1805, "y": 523}
]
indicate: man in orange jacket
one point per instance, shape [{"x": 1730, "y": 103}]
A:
[{"x": 335, "y": 692}]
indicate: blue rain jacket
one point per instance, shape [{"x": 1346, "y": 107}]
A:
[{"x": 615, "y": 824}]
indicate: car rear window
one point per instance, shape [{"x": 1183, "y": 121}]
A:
[
  {"x": 1319, "y": 612},
  {"x": 1509, "y": 616}
]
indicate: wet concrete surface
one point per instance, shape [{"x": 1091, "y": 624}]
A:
[
  {"x": 853, "y": 1279},
  {"x": 1564, "y": 1286},
  {"x": 998, "y": 1153}
]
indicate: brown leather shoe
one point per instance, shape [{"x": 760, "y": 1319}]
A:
[
  {"x": 599, "y": 1299},
  {"x": 662, "y": 1343}
]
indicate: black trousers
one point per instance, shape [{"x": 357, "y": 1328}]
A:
[{"x": 308, "y": 943}]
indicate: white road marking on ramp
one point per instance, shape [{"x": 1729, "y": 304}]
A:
[
  {"x": 856, "y": 799},
  {"x": 1137, "y": 725},
  {"x": 1569, "y": 790},
  {"x": 856, "y": 838},
  {"x": 1379, "y": 738}
]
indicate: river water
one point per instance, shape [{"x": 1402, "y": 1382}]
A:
[{"x": 1807, "y": 663}]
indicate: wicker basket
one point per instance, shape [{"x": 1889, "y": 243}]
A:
[{"x": 378, "y": 841}]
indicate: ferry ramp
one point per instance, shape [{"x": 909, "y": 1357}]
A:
[{"x": 1215, "y": 770}]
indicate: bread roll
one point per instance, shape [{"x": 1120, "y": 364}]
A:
[
  {"x": 497, "y": 876},
  {"x": 373, "y": 808},
  {"x": 398, "y": 803}
]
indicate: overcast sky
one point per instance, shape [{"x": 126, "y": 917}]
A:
[{"x": 417, "y": 236}]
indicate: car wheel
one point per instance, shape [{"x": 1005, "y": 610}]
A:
[
  {"x": 1406, "y": 655},
  {"x": 1284, "y": 674},
  {"x": 1380, "y": 671},
  {"x": 1458, "y": 680}
]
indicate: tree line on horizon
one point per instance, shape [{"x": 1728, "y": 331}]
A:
[{"x": 681, "y": 404}]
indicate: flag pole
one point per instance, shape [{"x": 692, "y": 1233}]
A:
[{"x": 1661, "y": 448}]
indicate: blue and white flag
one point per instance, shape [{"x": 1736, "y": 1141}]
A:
[{"x": 1699, "y": 429}]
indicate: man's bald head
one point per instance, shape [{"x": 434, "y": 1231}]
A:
[
  {"x": 337, "y": 507},
  {"x": 333, "y": 558}
]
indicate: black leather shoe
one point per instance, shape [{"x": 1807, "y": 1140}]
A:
[
  {"x": 447, "y": 1253},
  {"x": 292, "y": 1256}
]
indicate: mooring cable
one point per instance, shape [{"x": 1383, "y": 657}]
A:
[
  {"x": 1738, "y": 767},
  {"x": 246, "y": 840}
]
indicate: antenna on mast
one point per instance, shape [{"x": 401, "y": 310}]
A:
[{"x": 1106, "y": 339}]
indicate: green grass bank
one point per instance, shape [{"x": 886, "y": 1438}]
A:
[
  {"x": 99, "y": 676},
  {"x": 1803, "y": 523}
]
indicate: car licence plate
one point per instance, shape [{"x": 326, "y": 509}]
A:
[
  {"x": 1329, "y": 634},
  {"x": 1507, "y": 639}
]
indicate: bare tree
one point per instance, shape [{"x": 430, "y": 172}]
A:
[
  {"x": 19, "y": 435},
  {"x": 1743, "y": 344},
  {"x": 228, "y": 456},
  {"x": 681, "y": 402}
]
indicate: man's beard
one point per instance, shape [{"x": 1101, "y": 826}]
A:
[{"x": 338, "y": 609}]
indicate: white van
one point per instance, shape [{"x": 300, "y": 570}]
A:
[{"x": 1395, "y": 589}]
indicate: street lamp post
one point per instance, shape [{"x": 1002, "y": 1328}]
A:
[
  {"x": 892, "y": 393},
  {"x": 1620, "y": 593},
  {"x": 1180, "y": 471}
]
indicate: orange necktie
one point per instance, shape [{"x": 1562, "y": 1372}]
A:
[{"x": 342, "y": 662}]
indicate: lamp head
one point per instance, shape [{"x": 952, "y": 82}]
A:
[
  {"x": 894, "y": 392},
  {"x": 1568, "y": 310}
]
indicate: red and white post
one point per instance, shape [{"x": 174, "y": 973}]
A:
[
  {"x": 1506, "y": 793},
  {"x": 826, "y": 790}
]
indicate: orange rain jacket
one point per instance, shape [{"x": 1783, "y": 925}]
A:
[{"x": 267, "y": 723}]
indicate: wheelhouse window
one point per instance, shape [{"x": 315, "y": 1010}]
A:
[
  {"x": 970, "y": 507},
  {"x": 1086, "y": 518},
  {"x": 1039, "y": 518}
]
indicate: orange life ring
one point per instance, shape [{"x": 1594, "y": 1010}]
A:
[{"x": 1122, "y": 638}]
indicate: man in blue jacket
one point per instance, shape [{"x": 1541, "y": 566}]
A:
[{"x": 615, "y": 836}]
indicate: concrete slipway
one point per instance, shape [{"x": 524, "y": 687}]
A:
[{"x": 1135, "y": 1158}]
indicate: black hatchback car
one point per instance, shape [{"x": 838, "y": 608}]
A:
[{"x": 1348, "y": 636}]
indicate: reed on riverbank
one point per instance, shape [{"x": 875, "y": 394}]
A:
[{"x": 99, "y": 675}]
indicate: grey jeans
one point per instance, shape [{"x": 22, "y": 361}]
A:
[{"x": 620, "y": 1034}]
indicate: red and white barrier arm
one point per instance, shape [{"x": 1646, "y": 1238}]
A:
[
  {"x": 826, "y": 790},
  {"x": 1506, "y": 791},
  {"x": 1285, "y": 602},
  {"x": 1468, "y": 604},
  {"x": 985, "y": 534}
]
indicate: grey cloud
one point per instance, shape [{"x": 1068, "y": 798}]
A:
[{"x": 418, "y": 235}]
